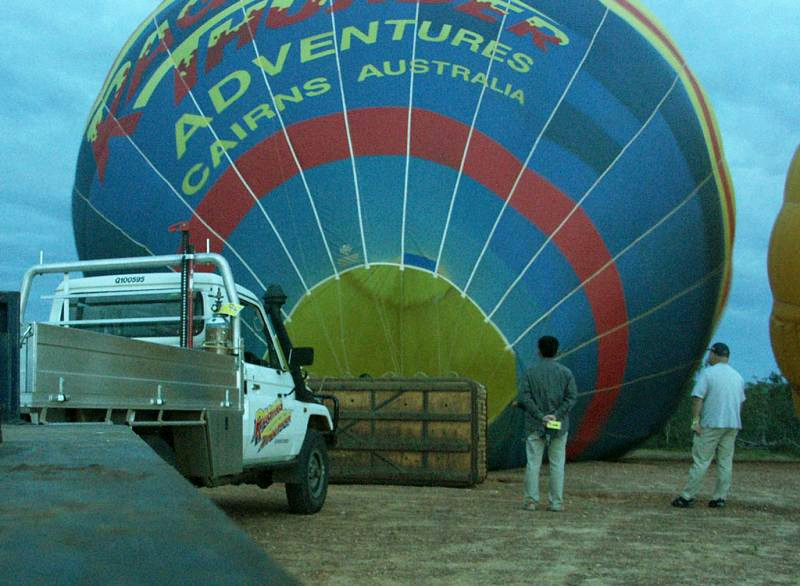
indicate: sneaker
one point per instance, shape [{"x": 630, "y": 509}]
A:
[
  {"x": 682, "y": 503},
  {"x": 529, "y": 505},
  {"x": 716, "y": 503}
]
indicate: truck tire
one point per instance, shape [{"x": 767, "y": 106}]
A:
[{"x": 308, "y": 495}]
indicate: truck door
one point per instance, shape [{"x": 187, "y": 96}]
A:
[{"x": 269, "y": 404}]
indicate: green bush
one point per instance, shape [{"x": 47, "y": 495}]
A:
[{"x": 768, "y": 419}]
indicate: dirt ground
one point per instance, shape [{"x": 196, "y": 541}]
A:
[{"x": 617, "y": 528}]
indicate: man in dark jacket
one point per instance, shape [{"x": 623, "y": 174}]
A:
[{"x": 547, "y": 395}]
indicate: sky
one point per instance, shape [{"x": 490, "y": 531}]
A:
[{"x": 54, "y": 57}]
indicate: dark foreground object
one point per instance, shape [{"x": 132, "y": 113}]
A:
[{"x": 92, "y": 504}]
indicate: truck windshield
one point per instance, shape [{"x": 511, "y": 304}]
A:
[{"x": 134, "y": 316}]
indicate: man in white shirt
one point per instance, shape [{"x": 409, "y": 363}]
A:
[{"x": 717, "y": 400}]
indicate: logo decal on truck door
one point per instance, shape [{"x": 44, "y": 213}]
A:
[{"x": 269, "y": 422}]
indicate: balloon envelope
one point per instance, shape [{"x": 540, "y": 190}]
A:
[
  {"x": 435, "y": 184},
  {"x": 784, "y": 273}
]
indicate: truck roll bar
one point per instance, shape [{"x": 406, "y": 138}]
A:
[{"x": 132, "y": 263}]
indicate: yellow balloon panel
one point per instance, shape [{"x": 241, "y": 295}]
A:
[
  {"x": 784, "y": 278},
  {"x": 384, "y": 321}
]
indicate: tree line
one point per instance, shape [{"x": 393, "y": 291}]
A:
[{"x": 768, "y": 419}]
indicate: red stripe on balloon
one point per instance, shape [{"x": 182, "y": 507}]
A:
[{"x": 382, "y": 131}]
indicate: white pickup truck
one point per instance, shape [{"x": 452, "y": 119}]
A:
[{"x": 230, "y": 406}]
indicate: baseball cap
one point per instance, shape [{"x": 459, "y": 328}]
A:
[{"x": 720, "y": 349}]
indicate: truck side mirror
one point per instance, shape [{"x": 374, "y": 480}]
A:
[{"x": 301, "y": 356}]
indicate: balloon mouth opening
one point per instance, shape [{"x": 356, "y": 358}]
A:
[{"x": 382, "y": 321}]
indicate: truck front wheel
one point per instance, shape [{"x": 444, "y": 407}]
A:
[{"x": 308, "y": 495}]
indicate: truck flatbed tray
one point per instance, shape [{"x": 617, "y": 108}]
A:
[{"x": 69, "y": 368}]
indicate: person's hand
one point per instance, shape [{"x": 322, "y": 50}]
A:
[
  {"x": 547, "y": 418},
  {"x": 696, "y": 426}
]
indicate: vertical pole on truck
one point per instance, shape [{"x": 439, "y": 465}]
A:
[{"x": 187, "y": 272}]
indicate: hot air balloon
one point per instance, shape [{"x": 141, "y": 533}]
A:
[
  {"x": 435, "y": 184},
  {"x": 784, "y": 274}
]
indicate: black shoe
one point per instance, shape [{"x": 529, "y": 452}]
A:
[
  {"x": 716, "y": 503},
  {"x": 682, "y": 503}
]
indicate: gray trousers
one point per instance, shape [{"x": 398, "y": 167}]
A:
[
  {"x": 557, "y": 455},
  {"x": 712, "y": 441}
]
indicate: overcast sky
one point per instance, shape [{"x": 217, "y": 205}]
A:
[{"x": 55, "y": 55}]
